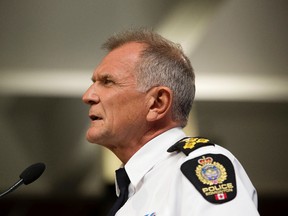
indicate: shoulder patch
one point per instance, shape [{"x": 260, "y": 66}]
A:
[
  {"x": 189, "y": 144},
  {"x": 213, "y": 176}
]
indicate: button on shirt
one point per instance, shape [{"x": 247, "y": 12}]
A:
[{"x": 158, "y": 187}]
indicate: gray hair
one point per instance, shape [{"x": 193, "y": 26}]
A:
[{"x": 162, "y": 63}]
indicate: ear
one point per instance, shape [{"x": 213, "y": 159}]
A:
[{"x": 160, "y": 100}]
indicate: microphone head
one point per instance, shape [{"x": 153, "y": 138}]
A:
[{"x": 33, "y": 172}]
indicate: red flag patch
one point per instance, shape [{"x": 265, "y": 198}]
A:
[{"x": 221, "y": 196}]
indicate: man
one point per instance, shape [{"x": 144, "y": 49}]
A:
[{"x": 140, "y": 99}]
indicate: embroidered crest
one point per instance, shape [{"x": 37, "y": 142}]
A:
[
  {"x": 213, "y": 176},
  {"x": 210, "y": 172}
]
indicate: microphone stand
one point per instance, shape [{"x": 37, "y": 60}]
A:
[{"x": 12, "y": 188}]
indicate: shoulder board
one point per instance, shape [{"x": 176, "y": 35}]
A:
[
  {"x": 189, "y": 144},
  {"x": 213, "y": 176}
]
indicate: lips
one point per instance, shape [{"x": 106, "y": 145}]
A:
[{"x": 95, "y": 117}]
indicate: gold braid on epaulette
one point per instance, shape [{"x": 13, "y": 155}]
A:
[{"x": 189, "y": 144}]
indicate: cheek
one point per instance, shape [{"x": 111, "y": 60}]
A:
[
  {"x": 124, "y": 108},
  {"x": 135, "y": 111},
  {"x": 123, "y": 114}
]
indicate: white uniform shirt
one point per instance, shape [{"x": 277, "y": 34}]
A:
[{"x": 158, "y": 187}]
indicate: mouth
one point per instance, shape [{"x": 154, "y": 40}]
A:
[{"x": 95, "y": 118}]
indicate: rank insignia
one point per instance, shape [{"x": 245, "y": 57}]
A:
[
  {"x": 189, "y": 144},
  {"x": 213, "y": 176}
]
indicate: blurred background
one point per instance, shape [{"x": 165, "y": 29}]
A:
[{"x": 49, "y": 49}]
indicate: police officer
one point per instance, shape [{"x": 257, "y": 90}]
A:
[{"x": 140, "y": 99}]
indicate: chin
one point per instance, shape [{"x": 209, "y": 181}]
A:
[
  {"x": 91, "y": 136},
  {"x": 94, "y": 136}
]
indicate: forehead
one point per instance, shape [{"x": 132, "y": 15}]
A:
[{"x": 120, "y": 61}]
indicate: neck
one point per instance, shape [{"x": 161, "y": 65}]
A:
[{"x": 126, "y": 151}]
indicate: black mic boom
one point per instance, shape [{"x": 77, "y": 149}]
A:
[{"x": 29, "y": 175}]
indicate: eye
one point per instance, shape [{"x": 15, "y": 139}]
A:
[{"x": 107, "y": 80}]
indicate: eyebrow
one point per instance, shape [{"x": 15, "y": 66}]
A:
[{"x": 102, "y": 76}]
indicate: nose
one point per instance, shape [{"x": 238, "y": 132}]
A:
[{"x": 90, "y": 97}]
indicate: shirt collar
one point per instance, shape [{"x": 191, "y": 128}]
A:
[{"x": 152, "y": 152}]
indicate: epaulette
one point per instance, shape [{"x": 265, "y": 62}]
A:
[
  {"x": 189, "y": 144},
  {"x": 212, "y": 175}
]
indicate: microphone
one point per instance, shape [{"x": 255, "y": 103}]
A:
[{"x": 29, "y": 175}]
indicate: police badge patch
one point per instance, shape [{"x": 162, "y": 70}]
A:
[{"x": 213, "y": 176}]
